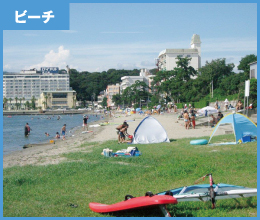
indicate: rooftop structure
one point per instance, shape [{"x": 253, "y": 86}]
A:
[{"x": 168, "y": 57}]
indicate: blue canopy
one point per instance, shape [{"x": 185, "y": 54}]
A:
[{"x": 242, "y": 126}]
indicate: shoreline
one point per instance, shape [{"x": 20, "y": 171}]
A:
[
  {"x": 44, "y": 154},
  {"x": 48, "y": 153}
]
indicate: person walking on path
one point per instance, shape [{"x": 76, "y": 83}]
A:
[{"x": 63, "y": 131}]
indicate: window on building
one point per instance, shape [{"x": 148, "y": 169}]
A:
[{"x": 59, "y": 95}]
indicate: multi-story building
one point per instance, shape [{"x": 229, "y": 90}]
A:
[
  {"x": 29, "y": 83},
  {"x": 100, "y": 97},
  {"x": 57, "y": 99},
  {"x": 144, "y": 76},
  {"x": 110, "y": 91},
  {"x": 253, "y": 70},
  {"x": 168, "y": 57}
]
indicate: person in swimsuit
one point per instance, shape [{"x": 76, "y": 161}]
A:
[
  {"x": 118, "y": 128},
  {"x": 57, "y": 135},
  {"x": 123, "y": 133},
  {"x": 193, "y": 119},
  {"x": 239, "y": 105},
  {"x": 186, "y": 120},
  {"x": 27, "y": 129},
  {"x": 63, "y": 131}
]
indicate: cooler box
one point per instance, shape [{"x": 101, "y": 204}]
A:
[{"x": 246, "y": 139}]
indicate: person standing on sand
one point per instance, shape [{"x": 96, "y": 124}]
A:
[
  {"x": 63, "y": 131},
  {"x": 193, "y": 119},
  {"x": 186, "y": 119},
  {"x": 85, "y": 122}
]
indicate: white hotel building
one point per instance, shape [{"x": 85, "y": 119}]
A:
[
  {"x": 29, "y": 83},
  {"x": 167, "y": 58}
]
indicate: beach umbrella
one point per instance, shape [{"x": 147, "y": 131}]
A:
[{"x": 209, "y": 109}]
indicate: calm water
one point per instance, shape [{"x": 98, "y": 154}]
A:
[{"x": 13, "y": 128}]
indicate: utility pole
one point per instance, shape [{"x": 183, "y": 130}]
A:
[
  {"x": 93, "y": 99},
  {"x": 212, "y": 88}
]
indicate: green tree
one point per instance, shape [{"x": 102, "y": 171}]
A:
[
  {"x": 253, "y": 92},
  {"x": 5, "y": 100},
  {"x": 183, "y": 69},
  {"x": 135, "y": 93},
  {"x": 117, "y": 99},
  {"x": 214, "y": 72},
  {"x": 10, "y": 100},
  {"x": 244, "y": 64},
  {"x": 27, "y": 105},
  {"x": 20, "y": 100},
  {"x": 33, "y": 99},
  {"x": 45, "y": 104},
  {"x": 46, "y": 100},
  {"x": 16, "y": 100},
  {"x": 23, "y": 99},
  {"x": 104, "y": 102},
  {"x": 176, "y": 84}
]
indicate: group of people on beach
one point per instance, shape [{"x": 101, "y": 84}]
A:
[
  {"x": 189, "y": 116},
  {"x": 214, "y": 119},
  {"x": 27, "y": 130}
]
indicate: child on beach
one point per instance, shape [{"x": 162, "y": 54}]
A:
[
  {"x": 63, "y": 131},
  {"x": 186, "y": 119},
  {"x": 57, "y": 135}
]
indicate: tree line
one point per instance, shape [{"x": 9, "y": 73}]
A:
[{"x": 182, "y": 84}]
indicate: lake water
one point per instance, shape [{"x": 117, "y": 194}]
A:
[{"x": 13, "y": 128}]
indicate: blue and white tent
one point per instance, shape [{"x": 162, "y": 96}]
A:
[
  {"x": 149, "y": 131},
  {"x": 242, "y": 127}
]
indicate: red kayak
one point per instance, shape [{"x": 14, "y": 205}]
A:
[{"x": 135, "y": 202}]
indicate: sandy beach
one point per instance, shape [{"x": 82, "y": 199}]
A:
[{"x": 44, "y": 154}]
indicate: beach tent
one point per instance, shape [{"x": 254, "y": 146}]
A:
[
  {"x": 210, "y": 110},
  {"x": 149, "y": 131},
  {"x": 244, "y": 129}
]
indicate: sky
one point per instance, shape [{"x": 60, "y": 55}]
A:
[{"x": 128, "y": 36}]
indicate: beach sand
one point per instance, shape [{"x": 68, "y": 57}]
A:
[{"x": 44, "y": 154}]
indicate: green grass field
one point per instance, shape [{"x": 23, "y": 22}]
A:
[{"x": 66, "y": 189}]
